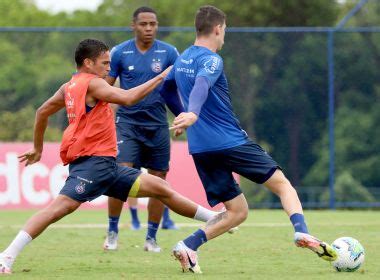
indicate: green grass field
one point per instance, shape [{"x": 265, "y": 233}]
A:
[{"x": 261, "y": 249}]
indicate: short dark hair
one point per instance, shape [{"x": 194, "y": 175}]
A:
[
  {"x": 207, "y": 18},
  {"x": 143, "y": 9},
  {"x": 89, "y": 48}
]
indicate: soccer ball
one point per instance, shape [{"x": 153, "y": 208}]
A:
[{"x": 350, "y": 254}]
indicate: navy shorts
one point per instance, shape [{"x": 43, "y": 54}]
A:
[
  {"x": 215, "y": 170},
  {"x": 91, "y": 177},
  {"x": 147, "y": 147}
]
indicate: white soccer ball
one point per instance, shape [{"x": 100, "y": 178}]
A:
[{"x": 350, "y": 254}]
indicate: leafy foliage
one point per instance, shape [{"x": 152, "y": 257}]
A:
[{"x": 278, "y": 81}]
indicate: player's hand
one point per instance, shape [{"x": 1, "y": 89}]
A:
[
  {"x": 178, "y": 132},
  {"x": 184, "y": 120},
  {"x": 30, "y": 157},
  {"x": 164, "y": 73}
]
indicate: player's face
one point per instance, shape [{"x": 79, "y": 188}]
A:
[
  {"x": 221, "y": 34},
  {"x": 145, "y": 27},
  {"x": 101, "y": 65}
]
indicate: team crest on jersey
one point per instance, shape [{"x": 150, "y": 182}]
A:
[
  {"x": 80, "y": 188},
  {"x": 156, "y": 66}
]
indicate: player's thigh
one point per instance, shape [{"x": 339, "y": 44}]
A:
[
  {"x": 156, "y": 152},
  {"x": 216, "y": 177},
  {"x": 128, "y": 145},
  {"x": 153, "y": 186},
  {"x": 126, "y": 183},
  {"x": 251, "y": 161},
  {"x": 278, "y": 183}
]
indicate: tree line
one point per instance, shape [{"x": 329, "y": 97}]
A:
[{"x": 278, "y": 81}]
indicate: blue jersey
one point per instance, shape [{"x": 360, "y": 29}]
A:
[
  {"x": 217, "y": 127},
  {"x": 135, "y": 68}
]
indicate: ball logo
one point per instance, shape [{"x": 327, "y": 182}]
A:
[
  {"x": 156, "y": 66},
  {"x": 80, "y": 188}
]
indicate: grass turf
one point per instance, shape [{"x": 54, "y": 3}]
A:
[{"x": 262, "y": 248}]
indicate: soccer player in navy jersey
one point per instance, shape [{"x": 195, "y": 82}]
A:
[
  {"x": 142, "y": 129},
  {"x": 219, "y": 146}
]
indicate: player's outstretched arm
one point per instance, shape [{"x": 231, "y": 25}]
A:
[
  {"x": 101, "y": 90},
  {"x": 50, "y": 107}
]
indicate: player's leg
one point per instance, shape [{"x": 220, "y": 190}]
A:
[
  {"x": 115, "y": 207},
  {"x": 281, "y": 186},
  {"x": 128, "y": 154},
  {"x": 155, "y": 211},
  {"x": 133, "y": 210},
  {"x": 155, "y": 156},
  {"x": 186, "y": 250},
  {"x": 252, "y": 162},
  {"x": 220, "y": 186},
  {"x": 152, "y": 186},
  {"x": 131, "y": 182},
  {"x": 56, "y": 210}
]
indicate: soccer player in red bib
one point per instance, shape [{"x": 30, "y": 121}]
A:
[{"x": 89, "y": 147}]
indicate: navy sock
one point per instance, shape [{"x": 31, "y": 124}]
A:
[
  {"x": 152, "y": 230},
  {"x": 165, "y": 215},
  {"x": 113, "y": 224},
  {"x": 298, "y": 222},
  {"x": 133, "y": 211},
  {"x": 195, "y": 240}
]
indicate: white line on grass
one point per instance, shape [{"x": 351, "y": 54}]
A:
[{"x": 187, "y": 225}]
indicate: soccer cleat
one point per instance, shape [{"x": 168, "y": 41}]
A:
[
  {"x": 187, "y": 257},
  {"x": 135, "y": 225},
  {"x": 168, "y": 224},
  {"x": 111, "y": 241},
  {"x": 322, "y": 249},
  {"x": 5, "y": 264},
  {"x": 151, "y": 246}
]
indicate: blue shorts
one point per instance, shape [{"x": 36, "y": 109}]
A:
[
  {"x": 147, "y": 147},
  {"x": 91, "y": 177},
  {"x": 215, "y": 170}
]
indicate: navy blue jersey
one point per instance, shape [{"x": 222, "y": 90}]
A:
[
  {"x": 217, "y": 126},
  {"x": 135, "y": 68}
]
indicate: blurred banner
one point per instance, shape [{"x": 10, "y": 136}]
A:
[{"x": 37, "y": 185}]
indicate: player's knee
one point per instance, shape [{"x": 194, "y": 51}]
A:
[
  {"x": 163, "y": 189},
  {"x": 243, "y": 214},
  {"x": 240, "y": 213}
]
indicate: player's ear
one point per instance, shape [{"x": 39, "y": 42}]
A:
[
  {"x": 88, "y": 62},
  {"x": 217, "y": 29}
]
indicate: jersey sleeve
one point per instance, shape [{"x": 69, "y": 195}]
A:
[
  {"x": 210, "y": 67},
  {"x": 115, "y": 63}
]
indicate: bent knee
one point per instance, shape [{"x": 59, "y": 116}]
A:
[
  {"x": 243, "y": 215},
  {"x": 240, "y": 214},
  {"x": 163, "y": 189}
]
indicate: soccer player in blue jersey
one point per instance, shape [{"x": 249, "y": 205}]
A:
[
  {"x": 219, "y": 146},
  {"x": 142, "y": 129}
]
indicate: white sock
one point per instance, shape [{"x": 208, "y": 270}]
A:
[
  {"x": 204, "y": 214},
  {"x": 20, "y": 241}
]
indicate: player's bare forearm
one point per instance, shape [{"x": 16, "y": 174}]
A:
[
  {"x": 50, "y": 107},
  {"x": 101, "y": 90},
  {"x": 138, "y": 93}
]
